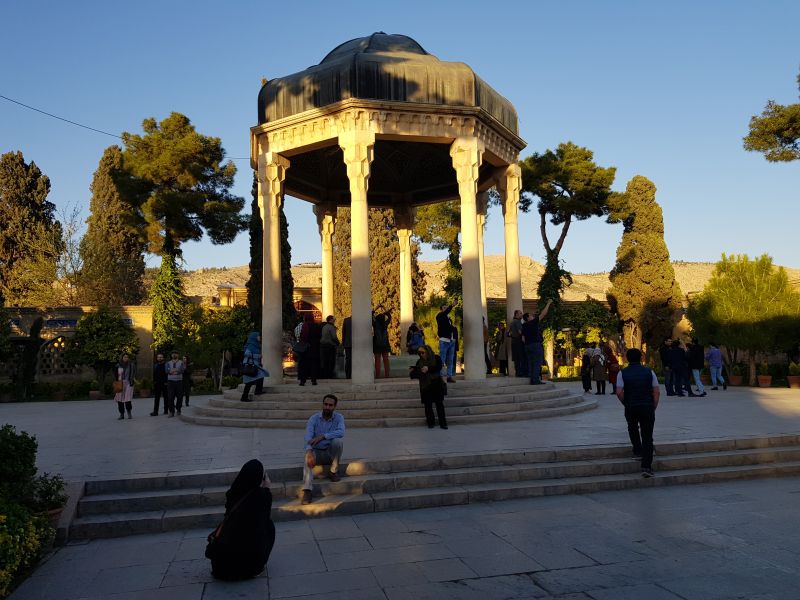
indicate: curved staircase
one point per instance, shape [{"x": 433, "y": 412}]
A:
[{"x": 392, "y": 403}]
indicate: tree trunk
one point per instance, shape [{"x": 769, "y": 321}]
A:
[{"x": 751, "y": 361}]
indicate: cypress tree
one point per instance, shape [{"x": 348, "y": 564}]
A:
[
  {"x": 644, "y": 293},
  {"x": 112, "y": 250},
  {"x": 169, "y": 304},
  {"x": 254, "y": 290},
  {"x": 384, "y": 251}
]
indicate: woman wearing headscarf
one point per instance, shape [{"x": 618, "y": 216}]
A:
[
  {"x": 252, "y": 356},
  {"x": 501, "y": 347},
  {"x": 431, "y": 385},
  {"x": 380, "y": 342},
  {"x": 308, "y": 360},
  {"x": 613, "y": 366},
  {"x": 245, "y": 538},
  {"x": 599, "y": 370},
  {"x": 125, "y": 372}
]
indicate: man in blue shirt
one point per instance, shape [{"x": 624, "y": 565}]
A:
[
  {"x": 533, "y": 341},
  {"x": 324, "y": 445},
  {"x": 637, "y": 389}
]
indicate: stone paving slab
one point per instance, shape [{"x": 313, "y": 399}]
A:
[{"x": 736, "y": 540}]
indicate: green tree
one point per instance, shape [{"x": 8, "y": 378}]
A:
[
  {"x": 112, "y": 251},
  {"x": 747, "y": 305},
  {"x": 169, "y": 305},
  {"x": 30, "y": 234},
  {"x": 568, "y": 186},
  {"x": 589, "y": 321},
  {"x": 776, "y": 133},
  {"x": 384, "y": 253},
  {"x": 100, "y": 338},
  {"x": 213, "y": 331},
  {"x": 440, "y": 225},
  {"x": 5, "y": 333},
  {"x": 254, "y": 284},
  {"x": 644, "y": 293}
]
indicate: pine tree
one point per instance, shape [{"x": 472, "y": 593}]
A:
[
  {"x": 644, "y": 293},
  {"x": 254, "y": 290},
  {"x": 111, "y": 250},
  {"x": 30, "y": 234},
  {"x": 384, "y": 251}
]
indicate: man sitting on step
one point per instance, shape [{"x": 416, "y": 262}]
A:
[
  {"x": 324, "y": 445},
  {"x": 637, "y": 389}
]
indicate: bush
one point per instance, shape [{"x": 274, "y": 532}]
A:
[
  {"x": 794, "y": 368},
  {"x": 17, "y": 462},
  {"x": 23, "y": 536},
  {"x": 763, "y": 368},
  {"x": 231, "y": 381},
  {"x": 565, "y": 371},
  {"x": 206, "y": 386}
]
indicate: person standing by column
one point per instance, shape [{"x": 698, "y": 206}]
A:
[
  {"x": 159, "y": 384},
  {"x": 328, "y": 343},
  {"x": 174, "y": 384},
  {"x": 637, "y": 389},
  {"x": 380, "y": 342},
  {"x": 714, "y": 358},
  {"x": 347, "y": 344},
  {"x": 501, "y": 341},
  {"x": 125, "y": 373},
  {"x": 586, "y": 368},
  {"x": 517, "y": 347},
  {"x": 534, "y": 342},
  {"x": 252, "y": 361},
  {"x": 447, "y": 341}
]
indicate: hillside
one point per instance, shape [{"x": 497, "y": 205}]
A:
[{"x": 692, "y": 277}]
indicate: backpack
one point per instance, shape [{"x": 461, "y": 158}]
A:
[{"x": 417, "y": 340}]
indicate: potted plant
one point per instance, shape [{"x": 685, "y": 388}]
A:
[
  {"x": 737, "y": 374},
  {"x": 94, "y": 390},
  {"x": 794, "y": 375},
  {"x": 50, "y": 496},
  {"x": 545, "y": 372},
  {"x": 764, "y": 378},
  {"x": 143, "y": 386}
]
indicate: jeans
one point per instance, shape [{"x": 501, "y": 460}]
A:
[
  {"x": 697, "y": 382},
  {"x": 159, "y": 390},
  {"x": 716, "y": 375},
  {"x": 174, "y": 393},
  {"x": 641, "y": 418},
  {"x": 447, "y": 352},
  {"x": 535, "y": 356},
  {"x": 669, "y": 381},
  {"x": 329, "y": 456}
]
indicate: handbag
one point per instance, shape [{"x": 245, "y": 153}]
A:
[
  {"x": 300, "y": 347},
  {"x": 248, "y": 369},
  {"x": 213, "y": 546},
  {"x": 116, "y": 385}
]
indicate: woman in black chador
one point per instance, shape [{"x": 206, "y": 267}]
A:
[
  {"x": 431, "y": 385},
  {"x": 243, "y": 545}
]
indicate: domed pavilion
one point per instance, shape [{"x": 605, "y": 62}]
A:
[{"x": 382, "y": 123}]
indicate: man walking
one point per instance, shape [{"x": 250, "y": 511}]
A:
[
  {"x": 517, "y": 347},
  {"x": 697, "y": 357},
  {"x": 665, "y": 352},
  {"x": 447, "y": 341},
  {"x": 714, "y": 358},
  {"x": 175, "y": 369},
  {"x": 637, "y": 389},
  {"x": 328, "y": 344},
  {"x": 534, "y": 343},
  {"x": 324, "y": 443},
  {"x": 159, "y": 384}
]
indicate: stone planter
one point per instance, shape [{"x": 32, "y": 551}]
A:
[
  {"x": 794, "y": 381},
  {"x": 764, "y": 380},
  {"x": 737, "y": 379}
]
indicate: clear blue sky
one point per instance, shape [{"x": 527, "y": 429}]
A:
[{"x": 661, "y": 89}]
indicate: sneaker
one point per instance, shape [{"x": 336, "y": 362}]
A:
[
  {"x": 715, "y": 388},
  {"x": 172, "y": 414},
  {"x": 334, "y": 477},
  {"x": 120, "y": 418},
  {"x": 443, "y": 426},
  {"x": 703, "y": 394},
  {"x": 153, "y": 414},
  {"x": 647, "y": 473},
  {"x": 724, "y": 385},
  {"x": 306, "y": 497},
  {"x": 636, "y": 456}
]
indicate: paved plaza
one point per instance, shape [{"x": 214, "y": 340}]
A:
[{"x": 725, "y": 540}]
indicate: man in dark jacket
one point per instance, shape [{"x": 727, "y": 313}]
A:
[
  {"x": 517, "y": 347},
  {"x": 347, "y": 344},
  {"x": 534, "y": 343},
  {"x": 637, "y": 389},
  {"x": 697, "y": 361},
  {"x": 448, "y": 335},
  {"x": 159, "y": 384},
  {"x": 665, "y": 352},
  {"x": 680, "y": 369}
]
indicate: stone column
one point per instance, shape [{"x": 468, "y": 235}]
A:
[
  {"x": 326, "y": 220},
  {"x": 358, "y": 147},
  {"x": 482, "y": 206},
  {"x": 271, "y": 175},
  {"x": 467, "y": 155},
  {"x": 404, "y": 221},
  {"x": 509, "y": 183}
]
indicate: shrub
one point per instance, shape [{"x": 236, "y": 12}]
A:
[
  {"x": 231, "y": 381},
  {"x": 17, "y": 462},
  {"x": 794, "y": 368},
  {"x": 763, "y": 368},
  {"x": 565, "y": 371},
  {"x": 22, "y": 538},
  {"x": 206, "y": 386}
]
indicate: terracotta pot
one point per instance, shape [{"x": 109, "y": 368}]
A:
[
  {"x": 59, "y": 395},
  {"x": 764, "y": 380},
  {"x": 144, "y": 393},
  {"x": 53, "y": 515},
  {"x": 705, "y": 379},
  {"x": 737, "y": 379},
  {"x": 794, "y": 381},
  {"x": 95, "y": 395}
]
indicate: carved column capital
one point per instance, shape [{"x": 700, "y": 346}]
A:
[
  {"x": 271, "y": 175},
  {"x": 509, "y": 184},
  {"x": 404, "y": 216},
  {"x": 359, "y": 148},
  {"x": 326, "y": 221},
  {"x": 467, "y": 155}
]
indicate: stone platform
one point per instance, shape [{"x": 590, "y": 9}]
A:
[{"x": 392, "y": 402}]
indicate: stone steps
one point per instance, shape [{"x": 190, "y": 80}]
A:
[{"x": 163, "y": 502}]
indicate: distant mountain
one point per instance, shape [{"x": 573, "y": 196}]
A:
[{"x": 691, "y": 276}]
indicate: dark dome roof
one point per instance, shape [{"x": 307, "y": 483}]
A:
[{"x": 384, "y": 67}]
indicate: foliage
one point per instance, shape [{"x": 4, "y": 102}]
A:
[
  {"x": 23, "y": 537},
  {"x": 763, "y": 368},
  {"x": 48, "y": 492},
  {"x": 440, "y": 225},
  {"x": 570, "y": 371},
  {"x": 5, "y": 332},
  {"x": 169, "y": 305},
  {"x": 749, "y": 305},
  {"x": 206, "y": 386},
  {"x": 177, "y": 186},
  {"x": 100, "y": 338},
  {"x": 254, "y": 283},
  {"x": 231, "y": 381},
  {"x": 17, "y": 461},
  {"x": 569, "y": 187},
  {"x": 794, "y": 368},
  {"x": 776, "y": 133},
  {"x": 28, "y": 358},
  {"x": 210, "y": 332},
  {"x": 589, "y": 321},
  {"x": 112, "y": 251},
  {"x": 27, "y": 217},
  {"x": 644, "y": 293},
  {"x": 384, "y": 251}
]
